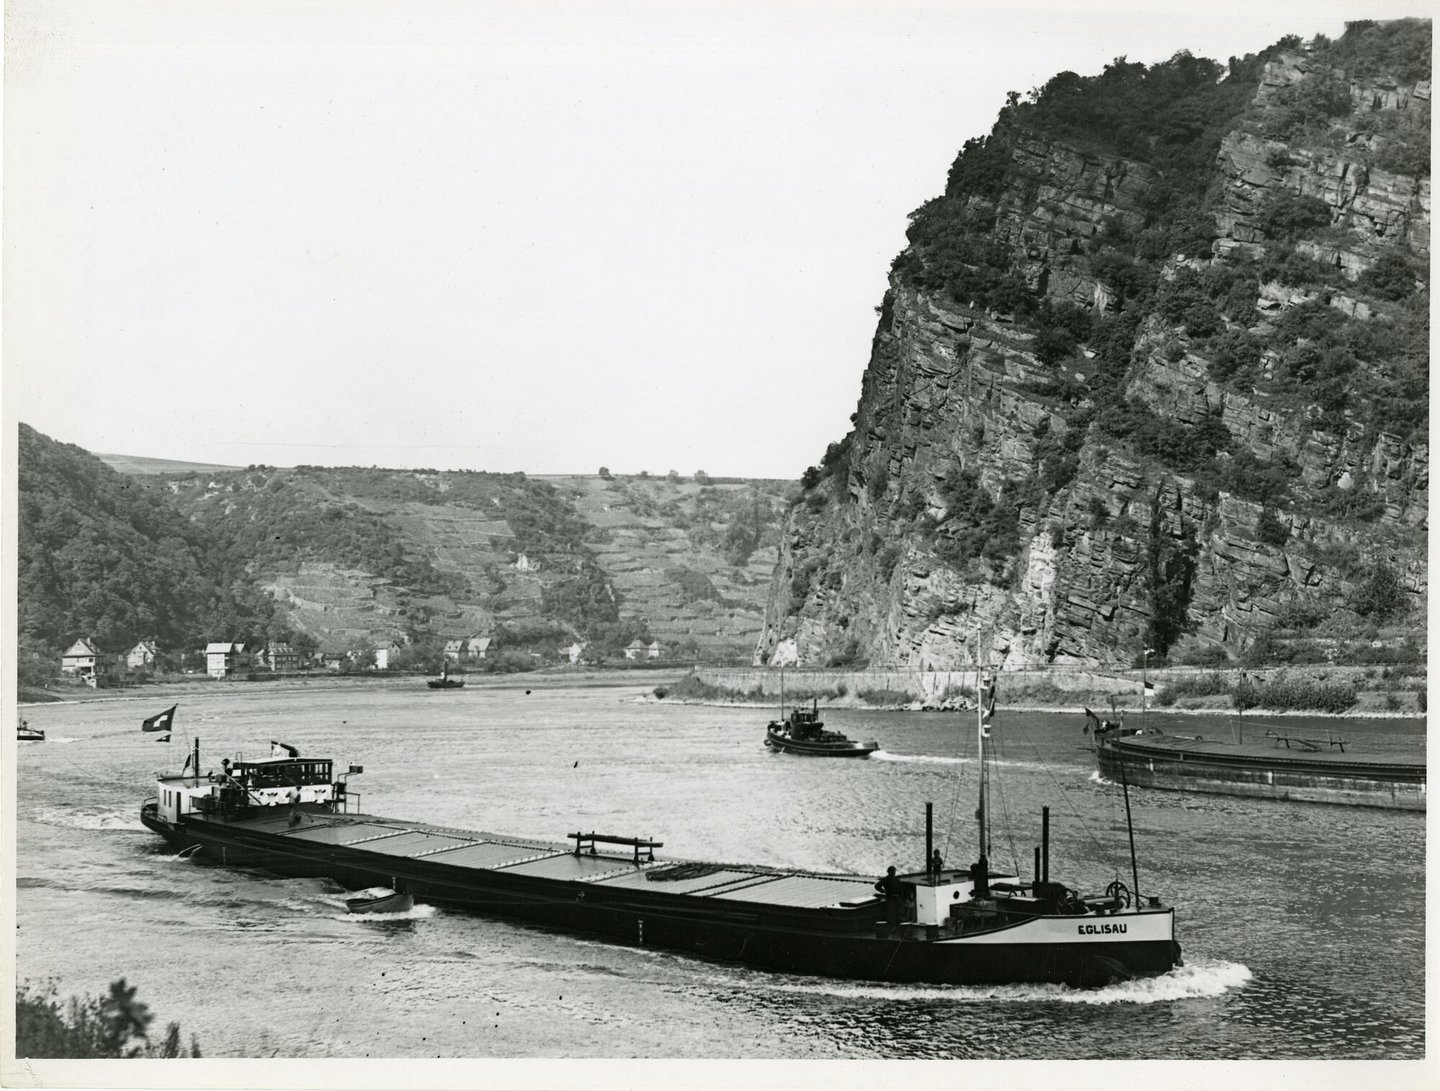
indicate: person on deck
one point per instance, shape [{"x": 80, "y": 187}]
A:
[
  {"x": 295, "y": 806},
  {"x": 890, "y": 886},
  {"x": 937, "y": 864}
]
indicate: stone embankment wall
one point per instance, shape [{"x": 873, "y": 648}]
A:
[{"x": 922, "y": 685}]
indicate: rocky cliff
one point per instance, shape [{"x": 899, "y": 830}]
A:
[{"x": 1151, "y": 374}]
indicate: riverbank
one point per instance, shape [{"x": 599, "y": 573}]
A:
[
  {"x": 1377, "y": 692},
  {"x": 1214, "y": 709},
  {"x": 1302, "y": 691},
  {"x": 168, "y": 689}
]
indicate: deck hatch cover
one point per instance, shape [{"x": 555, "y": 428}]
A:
[
  {"x": 490, "y": 854},
  {"x": 567, "y": 865},
  {"x": 811, "y": 891},
  {"x": 344, "y": 833},
  {"x": 411, "y": 843},
  {"x": 638, "y": 879}
]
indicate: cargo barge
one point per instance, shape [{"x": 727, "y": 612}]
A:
[
  {"x": 1284, "y": 767},
  {"x": 962, "y": 926}
]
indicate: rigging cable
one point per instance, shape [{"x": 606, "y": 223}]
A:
[
  {"x": 996, "y": 747},
  {"x": 955, "y": 797},
  {"x": 1100, "y": 846}
]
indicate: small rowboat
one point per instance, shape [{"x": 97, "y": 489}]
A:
[
  {"x": 26, "y": 733},
  {"x": 390, "y": 902},
  {"x": 445, "y": 681}
]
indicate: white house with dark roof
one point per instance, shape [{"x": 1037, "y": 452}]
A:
[
  {"x": 470, "y": 648},
  {"x": 223, "y": 658},
  {"x": 82, "y": 659}
]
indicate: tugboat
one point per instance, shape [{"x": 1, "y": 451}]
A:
[
  {"x": 958, "y": 926},
  {"x": 803, "y": 733},
  {"x": 445, "y": 681}
]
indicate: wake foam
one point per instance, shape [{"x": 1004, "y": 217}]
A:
[
  {"x": 418, "y": 913},
  {"x": 88, "y": 818},
  {"x": 918, "y": 759},
  {"x": 944, "y": 759},
  {"x": 1201, "y": 978}
]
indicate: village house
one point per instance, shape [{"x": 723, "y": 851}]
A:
[
  {"x": 142, "y": 656},
  {"x": 278, "y": 657},
  {"x": 81, "y": 659},
  {"x": 222, "y": 658},
  {"x": 385, "y": 655},
  {"x": 573, "y": 652},
  {"x": 468, "y": 649},
  {"x": 638, "y": 649}
]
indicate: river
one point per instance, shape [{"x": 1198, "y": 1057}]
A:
[{"x": 1303, "y": 925}]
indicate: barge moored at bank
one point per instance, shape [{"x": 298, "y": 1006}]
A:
[
  {"x": 1283, "y": 767},
  {"x": 295, "y": 816}
]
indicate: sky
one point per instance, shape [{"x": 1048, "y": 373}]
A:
[{"x": 544, "y": 237}]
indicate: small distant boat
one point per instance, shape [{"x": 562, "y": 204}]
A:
[
  {"x": 444, "y": 681},
  {"x": 392, "y": 901},
  {"x": 803, "y": 733},
  {"x": 26, "y": 733}
]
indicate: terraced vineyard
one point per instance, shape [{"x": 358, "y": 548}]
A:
[{"x": 360, "y": 556}]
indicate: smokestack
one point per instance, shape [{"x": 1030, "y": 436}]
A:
[
  {"x": 1045, "y": 841},
  {"x": 929, "y": 834}
]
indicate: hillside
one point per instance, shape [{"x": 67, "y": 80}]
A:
[
  {"x": 1152, "y": 373},
  {"x": 110, "y": 557},
  {"x": 350, "y": 558}
]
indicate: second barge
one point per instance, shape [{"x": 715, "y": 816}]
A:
[{"x": 1289, "y": 767}]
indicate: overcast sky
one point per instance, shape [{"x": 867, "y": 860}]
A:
[{"x": 499, "y": 236}]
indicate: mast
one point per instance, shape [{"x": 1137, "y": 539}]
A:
[
  {"x": 982, "y": 814},
  {"x": 1145, "y": 687},
  {"x": 1130, "y": 829}
]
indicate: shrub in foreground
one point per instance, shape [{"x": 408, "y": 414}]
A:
[{"x": 113, "y": 1025}]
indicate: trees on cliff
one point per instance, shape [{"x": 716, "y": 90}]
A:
[{"x": 1119, "y": 309}]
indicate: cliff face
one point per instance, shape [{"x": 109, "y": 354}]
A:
[{"x": 1116, "y": 403}]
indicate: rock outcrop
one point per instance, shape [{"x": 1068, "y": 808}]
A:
[{"x": 1009, "y": 498}]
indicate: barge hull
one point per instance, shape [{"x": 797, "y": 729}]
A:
[
  {"x": 1349, "y": 783},
  {"x": 832, "y": 941}
]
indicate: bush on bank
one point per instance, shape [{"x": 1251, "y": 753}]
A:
[
  {"x": 114, "y": 1025},
  {"x": 1294, "y": 694}
]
